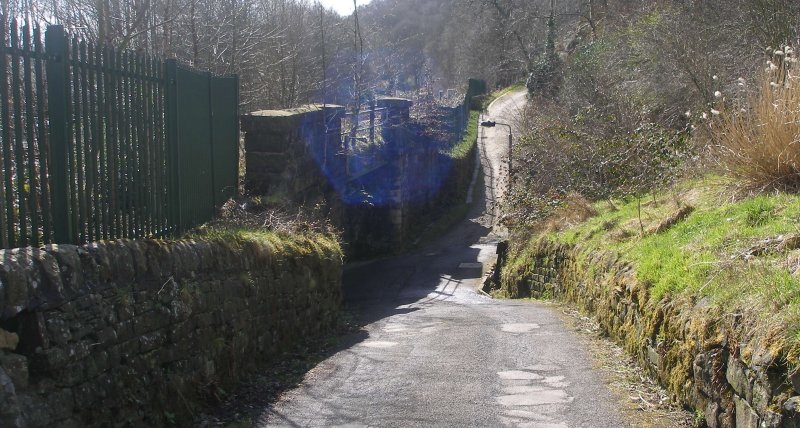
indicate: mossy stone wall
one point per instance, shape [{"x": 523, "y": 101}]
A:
[
  {"x": 704, "y": 361},
  {"x": 139, "y": 333}
]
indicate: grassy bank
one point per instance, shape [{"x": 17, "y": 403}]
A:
[
  {"x": 703, "y": 290},
  {"x": 737, "y": 257},
  {"x": 463, "y": 148},
  {"x": 693, "y": 247}
]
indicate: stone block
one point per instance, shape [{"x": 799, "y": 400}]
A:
[
  {"x": 58, "y": 329},
  {"x": 125, "y": 330},
  {"x": 121, "y": 261},
  {"x": 88, "y": 302},
  {"x": 82, "y": 329},
  {"x": 138, "y": 251},
  {"x": 69, "y": 423},
  {"x": 127, "y": 351},
  {"x": 8, "y": 340},
  {"x": 791, "y": 417},
  {"x": 51, "y": 288},
  {"x": 98, "y": 262},
  {"x": 147, "y": 322},
  {"x": 159, "y": 259},
  {"x": 179, "y": 311},
  {"x": 737, "y": 377},
  {"x": 151, "y": 341},
  {"x": 275, "y": 121},
  {"x": 204, "y": 320},
  {"x": 762, "y": 395},
  {"x": 90, "y": 394},
  {"x": 16, "y": 368},
  {"x": 16, "y": 274},
  {"x": 97, "y": 363},
  {"x": 745, "y": 416},
  {"x": 654, "y": 358},
  {"x": 68, "y": 376},
  {"x": 107, "y": 337},
  {"x": 69, "y": 264},
  {"x": 185, "y": 260},
  {"x": 145, "y": 365},
  {"x": 37, "y": 411},
  {"x": 266, "y": 163},
  {"x": 711, "y": 413},
  {"x": 266, "y": 142},
  {"x": 771, "y": 419},
  {"x": 207, "y": 254}
]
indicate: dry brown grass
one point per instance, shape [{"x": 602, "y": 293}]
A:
[
  {"x": 574, "y": 209},
  {"x": 282, "y": 217},
  {"x": 759, "y": 147}
]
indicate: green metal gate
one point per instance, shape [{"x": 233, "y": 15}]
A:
[{"x": 206, "y": 133}]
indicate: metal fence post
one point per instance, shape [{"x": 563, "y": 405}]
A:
[
  {"x": 173, "y": 153},
  {"x": 56, "y": 68}
]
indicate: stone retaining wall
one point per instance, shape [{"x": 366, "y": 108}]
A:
[
  {"x": 705, "y": 362},
  {"x": 138, "y": 333},
  {"x": 377, "y": 199}
]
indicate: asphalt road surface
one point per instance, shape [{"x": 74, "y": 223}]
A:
[{"x": 438, "y": 353}]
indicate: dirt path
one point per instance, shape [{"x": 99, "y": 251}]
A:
[{"x": 438, "y": 353}]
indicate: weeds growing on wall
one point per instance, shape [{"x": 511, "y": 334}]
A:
[{"x": 274, "y": 213}]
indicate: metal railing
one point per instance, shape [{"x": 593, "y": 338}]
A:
[{"x": 100, "y": 143}]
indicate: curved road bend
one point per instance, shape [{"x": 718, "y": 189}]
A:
[{"x": 438, "y": 353}]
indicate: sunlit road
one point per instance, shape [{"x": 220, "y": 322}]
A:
[{"x": 438, "y": 353}]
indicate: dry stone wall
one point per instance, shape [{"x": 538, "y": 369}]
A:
[
  {"x": 706, "y": 363},
  {"x": 138, "y": 333}
]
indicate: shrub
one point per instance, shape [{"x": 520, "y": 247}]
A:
[
  {"x": 558, "y": 158},
  {"x": 545, "y": 77},
  {"x": 759, "y": 145}
]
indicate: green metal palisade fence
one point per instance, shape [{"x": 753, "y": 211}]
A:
[{"x": 99, "y": 143}]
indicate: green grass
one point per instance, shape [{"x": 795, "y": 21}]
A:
[
  {"x": 463, "y": 148},
  {"x": 238, "y": 237},
  {"x": 701, "y": 257},
  {"x": 683, "y": 257}
]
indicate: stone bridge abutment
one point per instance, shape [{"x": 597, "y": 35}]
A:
[{"x": 377, "y": 180}]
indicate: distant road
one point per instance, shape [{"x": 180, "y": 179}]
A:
[{"x": 440, "y": 354}]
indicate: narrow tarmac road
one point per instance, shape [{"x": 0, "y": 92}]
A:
[{"x": 438, "y": 353}]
